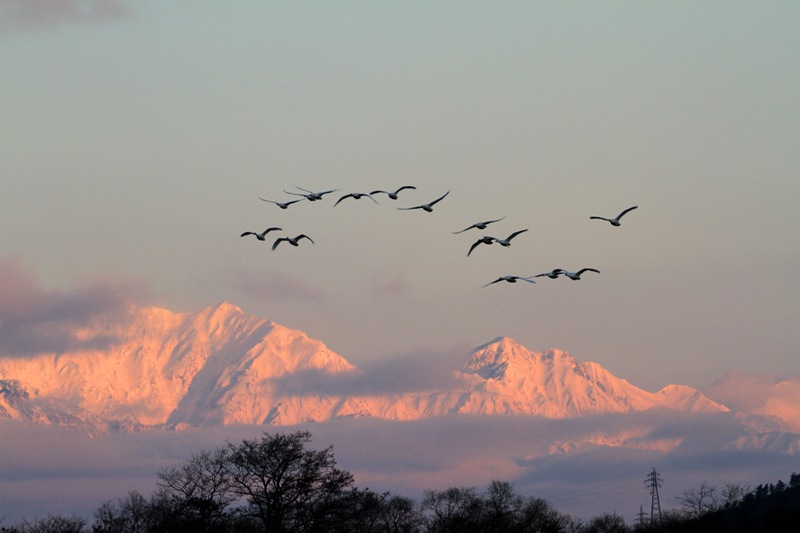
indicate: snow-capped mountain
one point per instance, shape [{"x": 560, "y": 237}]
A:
[{"x": 221, "y": 366}]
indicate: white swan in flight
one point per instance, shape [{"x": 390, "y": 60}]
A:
[
  {"x": 310, "y": 195},
  {"x": 393, "y": 195},
  {"x": 260, "y": 236},
  {"x": 282, "y": 205},
  {"x": 510, "y": 279},
  {"x": 575, "y": 275},
  {"x": 355, "y": 196},
  {"x": 486, "y": 239},
  {"x": 615, "y": 221},
  {"x": 479, "y": 225},
  {"x": 483, "y": 240},
  {"x": 426, "y": 207},
  {"x": 291, "y": 240},
  {"x": 552, "y": 275},
  {"x": 507, "y": 240}
]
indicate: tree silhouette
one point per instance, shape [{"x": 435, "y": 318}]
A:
[{"x": 288, "y": 487}]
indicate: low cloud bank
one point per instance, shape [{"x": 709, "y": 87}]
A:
[
  {"x": 403, "y": 373},
  {"x": 34, "y": 320},
  {"x": 51, "y": 470}
]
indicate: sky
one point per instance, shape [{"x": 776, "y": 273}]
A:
[{"x": 138, "y": 137}]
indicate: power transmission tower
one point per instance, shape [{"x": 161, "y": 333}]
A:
[
  {"x": 640, "y": 517},
  {"x": 653, "y": 482}
]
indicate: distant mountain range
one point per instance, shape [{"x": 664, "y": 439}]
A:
[{"x": 221, "y": 366}]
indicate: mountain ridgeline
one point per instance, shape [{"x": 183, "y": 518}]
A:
[{"x": 221, "y": 366}]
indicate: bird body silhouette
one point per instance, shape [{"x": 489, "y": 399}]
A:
[
  {"x": 510, "y": 279},
  {"x": 294, "y": 241},
  {"x": 311, "y": 196},
  {"x": 575, "y": 275},
  {"x": 355, "y": 196},
  {"x": 260, "y": 236},
  {"x": 426, "y": 207},
  {"x": 282, "y": 205},
  {"x": 486, "y": 239},
  {"x": 393, "y": 195},
  {"x": 507, "y": 240},
  {"x": 479, "y": 225},
  {"x": 615, "y": 221},
  {"x": 552, "y": 275}
]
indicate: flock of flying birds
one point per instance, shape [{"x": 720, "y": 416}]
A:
[{"x": 312, "y": 196}]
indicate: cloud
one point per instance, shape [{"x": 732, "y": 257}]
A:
[
  {"x": 729, "y": 389},
  {"x": 273, "y": 285},
  {"x": 34, "y": 320},
  {"x": 49, "y": 469},
  {"x": 24, "y": 15},
  {"x": 402, "y": 373}
]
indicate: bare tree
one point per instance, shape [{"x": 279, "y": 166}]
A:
[
  {"x": 50, "y": 524},
  {"x": 697, "y": 502},
  {"x": 201, "y": 488},
  {"x": 452, "y": 510},
  {"x": 400, "y": 515},
  {"x": 288, "y": 487},
  {"x": 128, "y": 515},
  {"x": 733, "y": 493}
]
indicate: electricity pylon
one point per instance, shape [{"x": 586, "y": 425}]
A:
[
  {"x": 640, "y": 517},
  {"x": 654, "y": 481}
]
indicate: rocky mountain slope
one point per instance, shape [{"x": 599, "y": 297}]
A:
[{"x": 221, "y": 366}]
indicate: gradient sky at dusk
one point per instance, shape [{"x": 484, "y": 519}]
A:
[{"x": 138, "y": 136}]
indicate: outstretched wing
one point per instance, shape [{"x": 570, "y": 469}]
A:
[
  {"x": 342, "y": 198},
  {"x": 629, "y": 209},
  {"x": 463, "y": 230},
  {"x": 439, "y": 199},
  {"x": 515, "y": 234}
]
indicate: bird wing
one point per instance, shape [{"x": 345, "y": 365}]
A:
[
  {"x": 340, "y": 199},
  {"x": 463, "y": 230},
  {"x": 629, "y": 209},
  {"x": 495, "y": 281},
  {"x": 415, "y": 207},
  {"x": 473, "y": 246},
  {"x": 277, "y": 242},
  {"x": 515, "y": 234},
  {"x": 438, "y": 199},
  {"x": 303, "y": 236},
  {"x": 247, "y": 233},
  {"x": 602, "y": 218},
  {"x": 581, "y": 271},
  {"x": 296, "y": 193},
  {"x": 404, "y": 187}
]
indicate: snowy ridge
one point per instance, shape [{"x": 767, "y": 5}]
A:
[{"x": 221, "y": 366}]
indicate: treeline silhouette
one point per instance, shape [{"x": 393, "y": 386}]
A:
[{"x": 276, "y": 484}]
